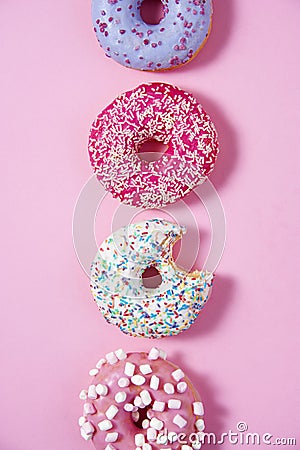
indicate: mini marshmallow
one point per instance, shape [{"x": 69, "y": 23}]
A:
[
  {"x": 158, "y": 406},
  {"x": 151, "y": 434},
  {"x": 198, "y": 408},
  {"x": 100, "y": 363},
  {"x": 150, "y": 413},
  {"x": 162, "y": 439},
  {"x": 81, "y": 421},
  {"x": 85, "y": 436},
  {"x": 145, "y": 424},
  {"x": 111, "y": 437},
  {"x": 120, "y": 354},
  {"x": 111, "y": 358},
  {"x": 128, "y": 407},
  {"x": 110, "y": 447},
  {"x": 162, "y": 354},
  {"x": 83, "y": 394},
  {"x": 135, "y": 415},
  {"x": 156, "y": 424},
  {"x": 200, "y": 424},
  {"x": 173, "y": 403},
  {"x": 138, "y": 402},
  {"x": 145, "y": 369},
  {"x": 181, "y": 387},
  {"x": 88, "y": 428},
  {"x": 139, "y": 439},
  {"x": 111, "y": 412},
  {"x": 129, "y": 369},
  {"x": 101, "y": 389},
  {"x": 93, "y": 372},
  {"x": 92, "y": 393},
  {"x": 147, "y": 446},
  {"x": 178, "y": 374},
  {"x": 120, "y": 397},
  {"x": 89, "y": 408},
  {"x": 179, "y": 421},
  {"x": 154, "y": 382},
  {"x": 146, "y": 397},
  {"x": 138, "y": 380},
  {"x": 169, "y": 388},
  {"x": 153, "y": 354},
  {"x": 105, "y": 425},
  {"x": 123, "y": 382}
]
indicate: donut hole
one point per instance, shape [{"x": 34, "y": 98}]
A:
[
  {"x": 151, "y": 278},
  {"x": 139, "y": 416},
  {"x": 152, "y": 150},
  {"x": 152, "y": 11}
]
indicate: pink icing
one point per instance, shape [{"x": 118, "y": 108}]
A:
[
  {"x": 154, "y": 111},
  {"x": 122, "y": 423}
]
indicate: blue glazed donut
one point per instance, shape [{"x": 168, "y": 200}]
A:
[{"x": 174, "y": 41}]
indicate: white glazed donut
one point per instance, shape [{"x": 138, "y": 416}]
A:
[
  {"x": 141, "y": 401},
  {"x": 118, "y": 289}
]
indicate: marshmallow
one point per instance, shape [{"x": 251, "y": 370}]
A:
[
  {"x": 198, "y": 408},
  {"x": 101, "y": 389},
  {"x": 111, "y": 358},
  {"x": 181, "y": 387},
  {"x": 111, "y": 437},
  {"x": 147, "y": 446},
  {"x": 85, "y": 436},
  {"x": 200, "y": 424},
  {"x": 153, "y": 354},
  {"x": 120, "y": 397},
  {"x": 154, "y": 382},
  {"x": 138, "y": 402},
  {"x": 123, "y": 382},
  {"x": 81, "y": 421},
  {"x": 162, "y": 354},
  {"x": 128, "y": 407},
  {"x": 110, "y": 447},
  {"x": 179, "y": 421},
  {"x": 146, "y": 397},
  {"x": 89, "y": 408},
  {"x": 156, "y": 424},
  {"x": 173, "y": 403},
  {"x": 151, "y": 434},
  {"x": 120, "y": 354},
  {"x": 158, "y": 406},
  {"x": 145, "y": 424},
  {"x": 92, "y": 393},
  {"x": 93, "y": 372},
  {"x": 129, "y": 369},
  {"x": 83, "y": 394},
  {"x": 177, "y": 375},
  {"x": 139, "y": 439},
  {"x": 135, "y": 415},
  {"x": 88, "y": 429},
  {"x": 105, "y": 425},
  {"x": 111, "y": 412},
  {"x": 100, "y": 363},
  {"x": 169, "y": 388},
  {"x": 145, "y": 369},
  {"x": 138, "y": 380}
]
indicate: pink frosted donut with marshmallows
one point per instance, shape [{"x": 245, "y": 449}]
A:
[
  {"x": 140, "y": 401},
  {"x": 154, "y": 111}
]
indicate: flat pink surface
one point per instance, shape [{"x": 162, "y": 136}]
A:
[{"x": 243, "y": 352}]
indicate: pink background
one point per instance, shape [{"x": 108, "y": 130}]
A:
[{"x": 243, "y": 352}]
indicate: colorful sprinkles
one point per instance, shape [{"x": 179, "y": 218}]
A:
[
  {"x": 154, "y": 111},
  {"x": 149, "y": 418},
  {"x": 117, "y": 286},
  {"x": 174, "y": 41}
]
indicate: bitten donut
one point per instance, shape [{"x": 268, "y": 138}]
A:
[
  {"x": 123, "y": 299},
  {"x": 154, "y": 111},
  {"x": 174, "y": 41},
  {"x": 140, "y": 401}
]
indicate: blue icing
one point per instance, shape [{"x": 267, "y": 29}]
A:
[{"x": 127, "y": 39}]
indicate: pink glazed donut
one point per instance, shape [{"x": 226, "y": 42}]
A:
[
  {"x": 154, "y": 111},
  {"x": 140, "y": 401}
]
